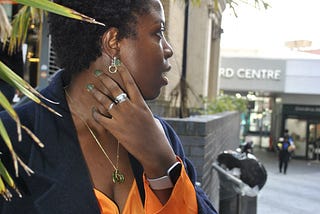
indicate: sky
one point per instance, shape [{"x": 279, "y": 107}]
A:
[{"x": 269, "y": 30}]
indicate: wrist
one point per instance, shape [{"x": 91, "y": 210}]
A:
[
  {"x": 157, "y": 166},
  {"x": 168, "y": 180}
]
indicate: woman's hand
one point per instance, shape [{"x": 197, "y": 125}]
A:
[{"x": 132, "y": 123}]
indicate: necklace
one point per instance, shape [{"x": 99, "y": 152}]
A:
[{"x": 117, "y": 176}]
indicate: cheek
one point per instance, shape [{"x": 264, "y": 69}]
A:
[
  {"x": 145, "y": 81},
  {"x": 135, "y": 67},
  {"x": 140, "y": 65},
  {"x": 145, "y": 67}
]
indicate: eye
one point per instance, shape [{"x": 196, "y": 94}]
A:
[{"x": 161, "y": 31}]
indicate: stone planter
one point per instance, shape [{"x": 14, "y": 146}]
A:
[{"x": 204, "y": 137}]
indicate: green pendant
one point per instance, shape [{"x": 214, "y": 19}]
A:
[{"x": 117, "y": 177}]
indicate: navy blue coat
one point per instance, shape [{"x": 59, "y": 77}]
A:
[{"x": 61, "y": 183}]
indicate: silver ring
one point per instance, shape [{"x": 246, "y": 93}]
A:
[
  {"x": 121, "y": 98},
  {"x": 110, "y": 106}
]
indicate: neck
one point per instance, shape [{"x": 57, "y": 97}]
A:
[
  {"x": 83, "y": 101},
  {"x": 77, "y": 89},
  {"x": 80, "y": 101}
]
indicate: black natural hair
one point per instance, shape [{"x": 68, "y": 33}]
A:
[{"x": 78, "y": 43}]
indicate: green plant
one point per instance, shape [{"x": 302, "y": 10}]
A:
[
  {"x": 26, "y": 15},
  {"x": 224, "y": 103},
  {"x": 255, "y": 3}
]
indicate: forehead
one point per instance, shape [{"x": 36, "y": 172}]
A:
[
  {"x": 157, "y": 5},
  {"x": 155, "y": 15}
]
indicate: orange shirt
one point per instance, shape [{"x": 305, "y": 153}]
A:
[
  {"x": 182, "y": 200},
  {"x": 133, "y": 203}
]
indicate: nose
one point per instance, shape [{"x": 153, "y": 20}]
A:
[{"x": 167, "y": 49}]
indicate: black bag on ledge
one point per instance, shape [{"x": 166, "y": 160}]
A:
[{"x": 252, "y": 172}]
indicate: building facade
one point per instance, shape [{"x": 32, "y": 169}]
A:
[{"x": 282, "y": 93}]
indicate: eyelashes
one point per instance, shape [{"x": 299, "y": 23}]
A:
[{"x": 161, "y": 31}]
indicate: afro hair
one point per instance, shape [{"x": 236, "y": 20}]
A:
[{"x": 78, "y": 43}]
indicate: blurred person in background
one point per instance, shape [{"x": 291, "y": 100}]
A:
[{"x": 285, "y": 147}]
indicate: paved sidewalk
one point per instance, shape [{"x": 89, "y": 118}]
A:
[{"x": 294, "y": 193}]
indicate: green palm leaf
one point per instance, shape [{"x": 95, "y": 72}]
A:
[
  {"x": 8, "y": 179},
  {"x": 7, "y": 106},
  {"x": 3, "y": 171},
  {"x": 7, "y": 141},
  {"x": 30, "y": 13},
  {"x": 20, "y": 26},
  {"x": 58, "y": 9},
  {"x": 13, "y": 79}
]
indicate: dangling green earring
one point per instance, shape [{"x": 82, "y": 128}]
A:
[{"x": 115, "y": 63}]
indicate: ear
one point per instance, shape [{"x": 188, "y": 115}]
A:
[{"x": 110, "y": 43}]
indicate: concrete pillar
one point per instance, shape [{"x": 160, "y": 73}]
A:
[
  {"x": 213, "y": 80},
  {"x": 204, "y": 50}
]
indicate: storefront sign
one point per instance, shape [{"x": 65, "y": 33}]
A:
[
  {"x": 250, "y": 73},
  {"x": 301, "y": 110},
  {"x": 307, "y": 109}
]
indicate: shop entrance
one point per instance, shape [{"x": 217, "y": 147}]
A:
[
  {"x": 303, "y": 123},
  {"x": 298, "y": 131},
  {"x": 313, "y": 140},
  {"x": 306, "y": 136}
]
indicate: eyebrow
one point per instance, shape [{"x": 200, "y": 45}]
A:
[{"x": 159, "y": 22}]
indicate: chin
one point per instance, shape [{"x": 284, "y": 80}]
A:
[{"x": 151, "y": 96}]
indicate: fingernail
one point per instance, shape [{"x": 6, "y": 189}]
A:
[
  {"x": 90, "y": 87},
  {"x": 97, "y": 73},
  {"x": 93, "y": 109},
  {"x": 94, "y": 112}
]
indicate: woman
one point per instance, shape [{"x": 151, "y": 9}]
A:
[
  {"x": 107, "y": 154},
  {"x": 285, "y": 148}
]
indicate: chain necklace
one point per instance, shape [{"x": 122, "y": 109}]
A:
[{"x": 117, "y": 176}]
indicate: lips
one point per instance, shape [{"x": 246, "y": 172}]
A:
[
  {"x": 165, "y": 79},
  {"x": 167, "y": 68},
  {"x": 164, "y": 74}
]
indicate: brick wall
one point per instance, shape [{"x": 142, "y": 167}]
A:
[{"x": 204, "y": 138}]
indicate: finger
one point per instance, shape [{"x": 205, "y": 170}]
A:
[
  {"x": 102, "y": 81},
  {"x": 104, "y": 100},
  {"x": 111, "y": 85},
  {"x": 101, "y": 87},
  {"x": 106, "y": 122},
  {"x": 130, "y": 85}
]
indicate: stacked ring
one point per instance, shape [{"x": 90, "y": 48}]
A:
[{"x": 121, "y": 98}]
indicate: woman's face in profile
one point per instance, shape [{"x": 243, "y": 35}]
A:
[{"x": 146, "y": 55}]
